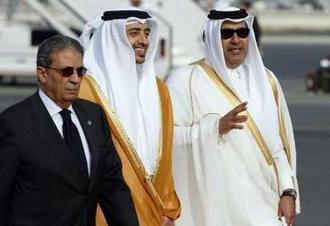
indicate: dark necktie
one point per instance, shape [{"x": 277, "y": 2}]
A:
[{"x": 73, "y": 141}]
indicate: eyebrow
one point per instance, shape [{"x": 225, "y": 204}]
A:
[
  {"x": 134, "y": 29},
  {"x": 138, "y": 29}
]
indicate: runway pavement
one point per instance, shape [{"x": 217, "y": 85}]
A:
[
  {"x": 311, "y": 122},
  {"x": 310, "y": 112}
]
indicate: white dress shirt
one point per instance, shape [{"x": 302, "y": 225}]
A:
[{"x": 54, "y": 111}]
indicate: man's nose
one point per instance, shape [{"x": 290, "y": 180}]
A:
[
  {"x": 143, "y": 39},
  {"x": 235, "y": 37},
  {"x": 75, "y": 77}
]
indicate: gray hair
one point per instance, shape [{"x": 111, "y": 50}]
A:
[{"x": 54, "y": 45}]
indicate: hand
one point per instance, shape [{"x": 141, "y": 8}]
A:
[
  {"x": 232, "y": 120},
  {"x": 287, "y": 208},
  {"x": 166, "y": 221}
]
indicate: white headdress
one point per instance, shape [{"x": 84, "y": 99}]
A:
[{"x": 130, "y": 88}]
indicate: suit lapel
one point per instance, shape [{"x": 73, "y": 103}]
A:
[
  {"x": 87, "y": 125},
  {"x": 45, "y": 128}
]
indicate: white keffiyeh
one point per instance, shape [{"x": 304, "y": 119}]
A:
[{"x": 130, "y": 88}]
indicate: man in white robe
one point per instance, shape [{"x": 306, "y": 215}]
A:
[{"x": 234, "y": 151}]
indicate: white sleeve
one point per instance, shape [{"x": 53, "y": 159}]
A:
[
  {"x": 192, "y": 149},
  {"x": 186, "y": 135},
  {"x": 285, "y": 165},
  {"x": 285, "y": 174}
]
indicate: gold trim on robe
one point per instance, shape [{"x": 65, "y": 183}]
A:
[
  {"x": 254, "y": 130},
  {"x": 153, "y": 196},
  {"x": 252, "y": 126},
  {"x": 283, "y": 133}
]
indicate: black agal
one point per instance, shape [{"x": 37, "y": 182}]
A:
[
  {"x": 124, "y": 14},
  {"x": 220, "y": 15}
]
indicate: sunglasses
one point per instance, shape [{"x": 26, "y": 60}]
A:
[
  {"x": 68, "y": 71},
  {"x": 227, "y": 33}
]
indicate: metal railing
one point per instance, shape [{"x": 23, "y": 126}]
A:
[{"x": 44, "y": 13}]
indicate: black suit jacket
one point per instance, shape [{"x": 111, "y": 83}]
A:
[{"x": 40, "y": 182}]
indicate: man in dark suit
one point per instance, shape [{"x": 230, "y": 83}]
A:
[{"x": 57, "y": 160}]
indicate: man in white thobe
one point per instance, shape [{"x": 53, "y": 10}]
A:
[{"x": 234, "y": 151}]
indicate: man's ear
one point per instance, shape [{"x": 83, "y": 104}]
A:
[{"x": 41, "y": 74}]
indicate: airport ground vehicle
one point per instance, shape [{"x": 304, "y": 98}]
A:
[{"x": 319, "y": 79}]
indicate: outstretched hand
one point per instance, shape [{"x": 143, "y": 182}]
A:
[{"x": 232, "y": 120}]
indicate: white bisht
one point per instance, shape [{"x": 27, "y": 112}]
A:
[{"x": 235, "y": 179}]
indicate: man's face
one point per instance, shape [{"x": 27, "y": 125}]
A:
[
  {"x": 138, "y": 36},
  {"x": 61, "y": 89},
  {"x": 235, "y": 48}
]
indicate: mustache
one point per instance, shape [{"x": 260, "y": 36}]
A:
[
  {"x": 235, "y": 46},
  {"x": 141, "y": 45}
]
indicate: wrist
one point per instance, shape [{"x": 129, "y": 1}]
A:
[{"x": 220, "y": 128}]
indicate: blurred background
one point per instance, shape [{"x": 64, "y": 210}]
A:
[{"x": 294, "y": 40}]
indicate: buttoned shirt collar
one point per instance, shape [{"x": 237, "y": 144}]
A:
[{"x": 51, "y": 106}]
